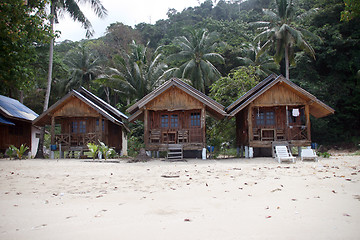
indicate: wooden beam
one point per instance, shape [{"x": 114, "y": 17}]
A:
[
  {"x": 249, "y": 119},
  {"x": 52, "y": 131},
  {"x": 203, "y": 124},
  {"x": 146, "y": 126},
  {"x": 101, "y": 128},
  {"x": 308, "y": 125}
]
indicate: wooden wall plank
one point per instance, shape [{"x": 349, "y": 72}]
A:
[
  {"x": 75, "y": 108},
  {"x": 174, "y": 99}
]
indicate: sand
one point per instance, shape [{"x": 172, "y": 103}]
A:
[{"x": 213, "y": 199}]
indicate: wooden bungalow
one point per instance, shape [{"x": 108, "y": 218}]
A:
[
  {"x": 276, "y": 110},
  {"x": 174, "y": 113},
  {"x": 16, "y": 125},
  {"x": 85, "y": 118}
]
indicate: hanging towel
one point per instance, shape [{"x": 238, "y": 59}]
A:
[{"x": 295, "y": 112}]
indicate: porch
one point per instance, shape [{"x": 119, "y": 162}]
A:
[
  {"x": 79, "y": 140},
  {"x": 190, "y": 139},
  {"x": 279, "y": 123}
]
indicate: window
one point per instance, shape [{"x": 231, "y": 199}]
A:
[
  {"x": 164, "y": 121},
  {"x": 74, "y": 127},
  {"x": 174, "y": 121},
  {"x": 270, "y": 118},
  {"x": 265, "y": 118},
  {"x": 103, "y": 124},
  {"x": 82, "y": 127},
  {"x": 195, "y": 119},
  {"x": 260, "y": 119},
  {"x": 78, "y": 127}
]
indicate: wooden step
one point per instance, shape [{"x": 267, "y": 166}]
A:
[{"x": 175, "y": 152}]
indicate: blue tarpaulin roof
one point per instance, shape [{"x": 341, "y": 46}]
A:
[
  {"x": 12, "y": 108},
  {"x": 5, "y": 121}
]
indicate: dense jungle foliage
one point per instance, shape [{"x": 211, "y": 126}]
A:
[{"x": 209, "y": 45}]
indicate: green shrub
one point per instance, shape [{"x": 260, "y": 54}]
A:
[
  {"x": 10, "y": 152},
  {"x": 93, "y": 150},
  {"x": 19, "y": 151},
  {"x": 324, "y": 154}
]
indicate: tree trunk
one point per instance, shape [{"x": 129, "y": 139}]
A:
[
  {"x": 287, "y": 62},
  {"x": 51, "y": 53},
  {"x": 40, "y": 150}
]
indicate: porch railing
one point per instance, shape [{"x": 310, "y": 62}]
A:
[
  {"x": 79, "y": 139},
  {"x": 175, "y": 136},
  {"x": 274, "y": 134}
]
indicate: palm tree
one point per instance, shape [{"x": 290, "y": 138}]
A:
[
  {"x": 137, "y": 73},
  {"x": 84, "y": 67},
  {"x": 281, "y": 33},
  {"x": 58, "y": 7},
  {"x": 265, "y": 64},
  {"x": 196, "y": 56}
]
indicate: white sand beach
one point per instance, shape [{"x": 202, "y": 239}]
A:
[{"x": 198, "y": 199}]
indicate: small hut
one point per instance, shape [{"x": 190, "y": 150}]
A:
[
  {"x": 16, "y": 125},
  {"x": 276, "y": 110},
  {"x": 174, "y": 113},
  {"x": 84, "y": 118}
]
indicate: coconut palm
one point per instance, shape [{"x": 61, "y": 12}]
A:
[
  {"x": 137, "y": 73},
  {"x": 281, "y": 34},
  {"x": 84, "y": 67},
  {"x": 250, "y": 57},
  {"x": 196, "y": 58},
  {"x": 59, "y": 7}
]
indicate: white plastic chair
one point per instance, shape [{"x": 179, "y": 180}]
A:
[
  {"x": 309, "y": 154},
  {"x": 282, "y": 153}
]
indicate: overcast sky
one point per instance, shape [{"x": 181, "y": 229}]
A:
[{"x": 129, "y": 12}]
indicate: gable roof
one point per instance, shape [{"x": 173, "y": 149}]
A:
[
  {"x": 100, "y": 106},
  {"x": 317, "y": 108},
  {"x": 101, "y": 103},
  {"x": 136, "y": 109},
  {"x": 13, "y": 109}
]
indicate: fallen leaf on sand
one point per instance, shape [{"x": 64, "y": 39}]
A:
[
  {"x": 277, "y": 189},
  {"x": 170, "y": 176},
  {"x": 40, "y": 226},
  {"x": 187, "y": 220}
]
